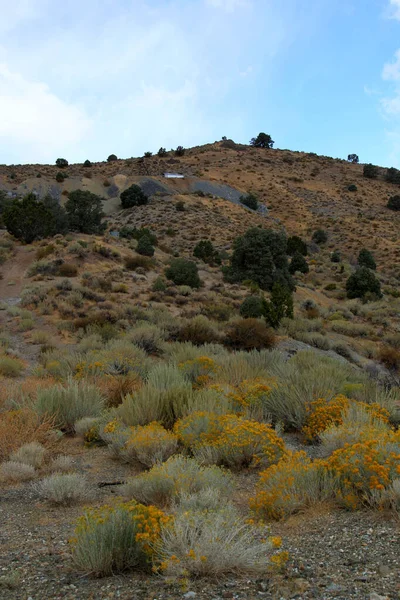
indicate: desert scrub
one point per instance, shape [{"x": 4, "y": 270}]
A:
[
  {"x": 29, "y": 454},
  {"x": 10, "y": 367},
  {"x": 61, "y": 464},
  {"x": 16, "y": 471},
  {"x": 141, "y": 445},
  {"x": 211, "y": 543},
  {"x": 199, "y": 371},
  {"x": 230, "y": 440},
  {"x": 149, "y": 338},
  {"x": 364, "y": 468},
  {"x": 22, "y": 426},
  {"x": 113, "y": 539},
  {"x": 291, "y": 485},
  {"x": 323, "y": 414},
  {"x": 199, "y": 330},
  {"x": 178, "y": 476},
  {"x": 63, "y": 489},
  {"x": 67, "y": 404}
]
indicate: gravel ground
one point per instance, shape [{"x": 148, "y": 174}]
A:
[{"x": 333, "y": 554}]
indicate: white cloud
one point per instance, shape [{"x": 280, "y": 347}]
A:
[
  {"x": 391, "y": 71},
  {"x": 228, "y": 5},
  {"x": 36, "y": 120},
  {"x": 395, "y": 9}
]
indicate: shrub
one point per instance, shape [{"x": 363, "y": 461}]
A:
[
  {"x": 180, "y": 151},
  {"x": 69, "y": 404},
  {"x": 61, "y": 464},
  {"x": 145, "y": 247},
  {"x": 112, "y": 158},
  {"x": 211, "y": 543},
  {"x": 149, "y": 338},
  {"x": 162, "y": 152},
  {"x": 133, "y": 196},
  {"x": 363, "y": 283},
  {"x": 263, "y": 140},
  {"x": 352, "y": 187},
  {"x": 365, "y": 467},
  {"x": 392, "y": 175},
  {"x": 252, "y": 307},
  {"x": 366, "y": 259},
  {"x": 134, "y": 262},
  {"x": 279, "y": 306},
  {"x": 298, "y": 263},
  {"x": 60, "y": 177},
  {"x": 291, "y": 485},
  {"x": 63, "y": 489},
  {"x": 87, "y": 163},
  {"x": 20, "y": 427},
  {"x": 183, "y": 272},
  {"x": 320, "y": 236},
  {"x": 199, "y": 331},
  {"x": 85, "y": 211},
  {"x": 260, "y": 255},
  {"x": 248, "y": 334},
  {"x": 239, "y": 443},
  {"x": 29, "y": 454},
  {"x": 205, "y": 251},
  {"x": 148, "y": 154},
  {"x": 336, "y": 256},
  {"x": 168, "y": 482},
  {"x": 113, "y": 539},
  {"x": 142, "y": 445},
  {"x": 390, "y": 357},
  {"x": 61, "y": 163},
  {"x": 251, "y": 201},
  {"x": 10, "y": 367},
  {"x": 180, "y": 206},
  {"x": 16, "y": 471},
  {"x": 296, "y": 244},
  {"x": 67, "y": 270},
  {"x": 394, "y": 203},
  {"x": 370, "y": 171},
  {"x": 29, "y": 219}
]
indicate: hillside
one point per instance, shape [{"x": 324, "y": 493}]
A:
[{"x": 112, "y": 370}]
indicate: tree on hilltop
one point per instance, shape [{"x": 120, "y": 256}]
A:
[{"x": 263, "y": 140}]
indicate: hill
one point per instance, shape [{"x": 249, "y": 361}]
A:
[{"x": 265, "y": 461}]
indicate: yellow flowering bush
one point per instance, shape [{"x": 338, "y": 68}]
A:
[
  {"x": 323, "y": 414},
  {"x": 229, "y": 440},
  {"x": 144, "y": 445},
  {"x": 292, "y": 484},
  {"x": 112, "y": 539},
  {"x": 199, "y": 371},
  {"x": 364, "y": 468}
]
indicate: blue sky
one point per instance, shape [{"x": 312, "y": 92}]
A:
[{"x": 86, "y": 79}]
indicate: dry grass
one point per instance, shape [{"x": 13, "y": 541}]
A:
[{"x": 19, "y": 427}]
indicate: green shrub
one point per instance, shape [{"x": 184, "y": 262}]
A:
[
  {"x": 64, "y": 489},
  {"x": 320, "y": 236},
  {"x": 394, "y": 203},
  {"x": 366, "y": 259},
  {"x": 180, "y": 151},
  {"x": 392, "y": 175},
  {"x": 251, "y": 201},
  {"x": 29, "y": 219},
  {"x": 61, "y": 163},
  {"x": 162, "y": 152},
  {"x": 60, "y": 177},
  {"x": 260, "y": 256},
  {"x": 133, "y": 196},
  {"x": 171, "y": 480},
  {"x": 252, "y": 307},
  {"x": 10, "y": 367},
  {"x": 279, "y": 305},
  {"x": 183, "y": 272},
  {"x": 159, "y": 285},
  {"x": 85, "y": 212},
  {"x": 363, "y": 283},
  {"x": 134, "y": 262},
  {"x": 145, "y": 247},
  {"x": 87, "y": 163},
  {"x": 67, "y": 270},
  {"x": 353, "y": 158},
  {"x": 180, "y": 206},
  {"x": 352, "y": 187},
  {"x": 199, "y": 331},
  {"x": 263, "y": 140},
  {"x": 298, "y": 264},
  {"x": 296, "y": 244},
  {"x": 370, "y": 171},
  {"x": 112, "y": 158},
  {"x": 69, "y": 403},
  {"x": 205, "y": 251},
  {"x": 336, "y": 256}
]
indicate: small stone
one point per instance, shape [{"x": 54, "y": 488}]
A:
[
  {"x": 375, "y": 596},
  {"x": 189, "y": 595}
]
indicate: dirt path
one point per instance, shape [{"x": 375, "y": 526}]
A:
[{"x": 13, "y": 272}]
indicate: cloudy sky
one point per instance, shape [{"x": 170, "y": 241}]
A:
[{"x": 84, "y": 79}]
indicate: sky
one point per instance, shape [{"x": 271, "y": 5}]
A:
[{"x": 85, "y": 79}]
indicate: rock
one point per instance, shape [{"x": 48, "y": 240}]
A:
[
  {"x": 384, "y": 570},
  {"x": 189, "y": 595},
  {"x": 375, "y": 596}
]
